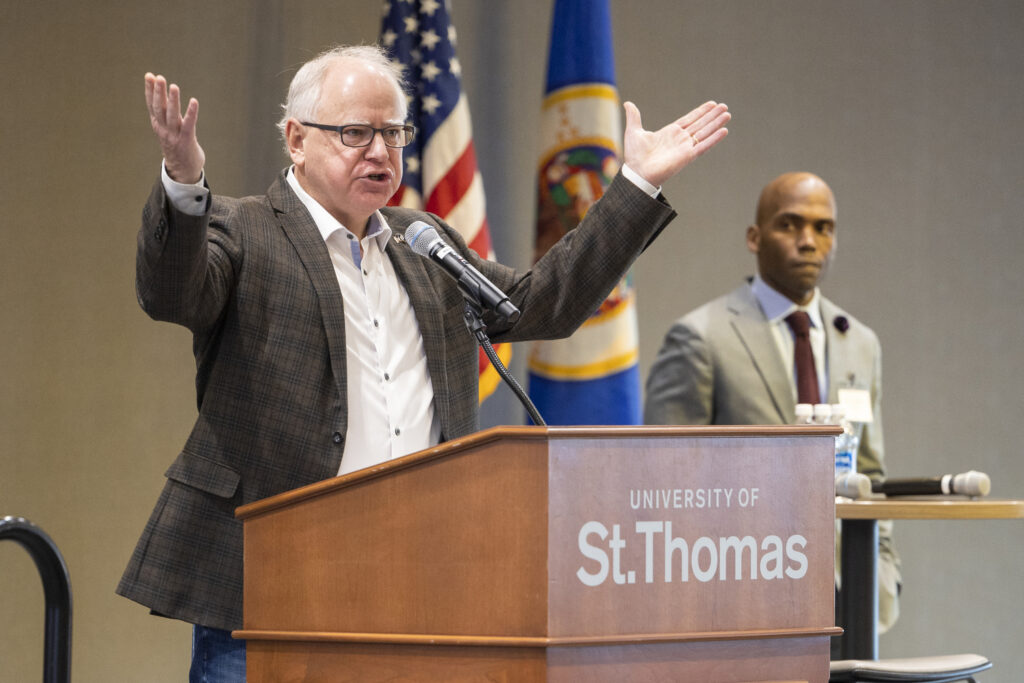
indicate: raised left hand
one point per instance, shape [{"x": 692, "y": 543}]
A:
[{"x": 658, "y": 155}]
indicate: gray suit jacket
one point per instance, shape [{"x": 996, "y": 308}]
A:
[
  {"x": 253, "y": 281},
  {"x": 719, "y": 364}
]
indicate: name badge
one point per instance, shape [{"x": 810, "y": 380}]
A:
[{"x": 858, "y": 404}]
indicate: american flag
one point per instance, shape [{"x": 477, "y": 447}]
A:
[{"x": 440, "y": 172}]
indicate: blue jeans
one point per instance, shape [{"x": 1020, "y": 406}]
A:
[{"x": 216, "y": 657}]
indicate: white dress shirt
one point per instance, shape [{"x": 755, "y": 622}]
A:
[{"x": 390, "y": 397}]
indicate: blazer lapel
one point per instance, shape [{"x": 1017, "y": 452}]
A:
[
  {"x": 412, "y": 272},
  {"x": 839, "y": 354},
  {"x": 754, "y": 333},
  {"x": 309, "y": 244}
]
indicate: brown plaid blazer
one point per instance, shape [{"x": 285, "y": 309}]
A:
[{"x": 253, "y": 281}]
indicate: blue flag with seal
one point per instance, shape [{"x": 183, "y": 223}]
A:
[{"x": 592, "y": 377}]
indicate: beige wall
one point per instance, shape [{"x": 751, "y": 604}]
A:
[{"x": 911, "y": 110}]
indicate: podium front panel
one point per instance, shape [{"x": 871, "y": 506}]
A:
[
  {"x": 692, "y": 535},
  {"x": 450, "y": 545},
  {"x": 556, "y": 536}
]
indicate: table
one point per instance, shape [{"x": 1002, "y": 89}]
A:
[{"x": 858, "y": 601}]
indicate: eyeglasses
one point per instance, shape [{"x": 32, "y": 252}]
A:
[{"x": 359, "y": 135}]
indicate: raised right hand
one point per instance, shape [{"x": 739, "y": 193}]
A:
[{"x": 183, "y": 156}]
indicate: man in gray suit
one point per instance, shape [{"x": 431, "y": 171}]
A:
[
  {"x": 323, "y": 343},
  {"x": 731, "y": 361}
]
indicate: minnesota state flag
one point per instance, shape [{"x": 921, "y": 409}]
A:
[{"x": 591, "y": 377}]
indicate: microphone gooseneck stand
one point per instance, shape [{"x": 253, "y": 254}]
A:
[{"x": 473, "y": 317}]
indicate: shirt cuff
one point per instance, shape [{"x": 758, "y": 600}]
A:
[
  {"x": 637, "y": 180},
  {"x": 189, "y": 199}
]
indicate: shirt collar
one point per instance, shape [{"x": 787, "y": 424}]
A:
[
  {"x": 377, "y": 229},
  {"x": 776, "y": 306}
]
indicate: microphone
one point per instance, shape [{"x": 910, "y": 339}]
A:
[
  {"x": 424, "y": 240},
  {"x": 971, "y": 483},
  {"x": 853, "y": 485}
]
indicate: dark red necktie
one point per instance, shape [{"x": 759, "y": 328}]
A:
[{"x": 803, "y": 358}]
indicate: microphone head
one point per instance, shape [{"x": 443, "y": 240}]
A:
[
  {"x": 420, "y": 235},
  {"x": 853, "y": 485},
  {"x": 972, "y": 483}
]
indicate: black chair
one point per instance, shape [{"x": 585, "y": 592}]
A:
[
  {"x": 941, "y": 669},
  {"x": 57, "y": 593}
]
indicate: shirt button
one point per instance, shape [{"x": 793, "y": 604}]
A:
[
  {"x": 387, "y": 377},
  {"x": 337, "y": 438},
  {"x": 365, "y": 271},
  {"x": 376, "y": 323},
  {"x": 397, "y": 431}
]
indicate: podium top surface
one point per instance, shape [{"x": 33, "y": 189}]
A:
[{"x": 532, "y": 433}]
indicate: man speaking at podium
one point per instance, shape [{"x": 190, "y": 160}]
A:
[
  {"x": 739, "y": 360},
  {"x": 323, "y": 343}
]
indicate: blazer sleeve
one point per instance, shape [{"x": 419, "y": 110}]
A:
[
  {"x": 870, "y": 455},
  {"x": 185, "y": 265},
  {"x": 680, "y": 384},
  {"x": 871, "y": 461},
  {"x": 566, "y": 285}
]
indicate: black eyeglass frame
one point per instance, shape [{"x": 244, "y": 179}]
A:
[{"x": 410, "y": 132}]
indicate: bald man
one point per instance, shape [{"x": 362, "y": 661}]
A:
[{"x": 731, "y": 361}]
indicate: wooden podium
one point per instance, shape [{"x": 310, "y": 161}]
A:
[{"x": 554, "y": 554}]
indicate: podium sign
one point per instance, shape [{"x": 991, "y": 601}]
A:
[
  {"x": 554, "y": 554},
  {"x": 710, "y": 534}
]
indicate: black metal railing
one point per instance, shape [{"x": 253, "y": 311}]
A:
[{"x": 56, "y": 590}]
